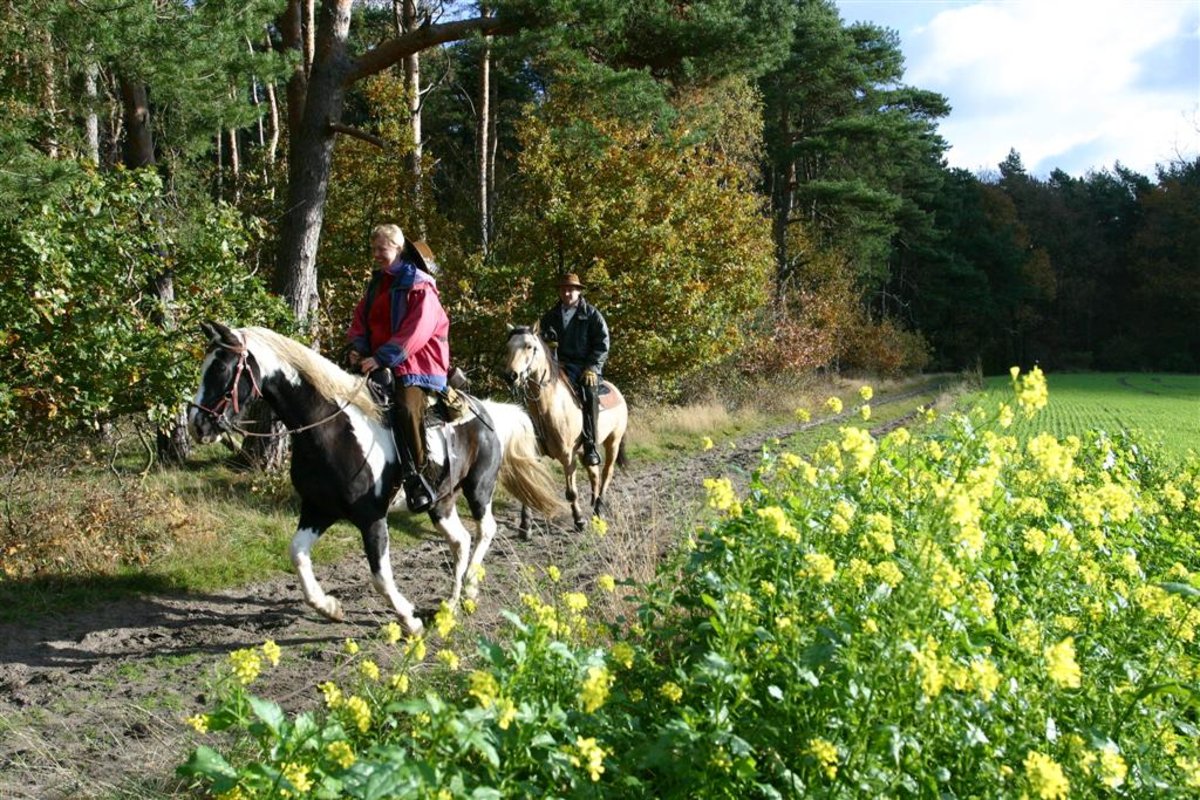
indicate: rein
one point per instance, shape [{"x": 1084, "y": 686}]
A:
[{"x": 230, "y": 398}]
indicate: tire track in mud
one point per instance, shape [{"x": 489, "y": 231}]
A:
[{"x": 92, "y": 702}]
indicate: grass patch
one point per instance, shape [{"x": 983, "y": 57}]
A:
[{"x": 1162, "y": 409}]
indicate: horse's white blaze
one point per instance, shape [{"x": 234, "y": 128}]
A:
[
  {"x": 435, "y": 446},
  {"x": 377, "y": 445},
  {"x": 459, "y": 538},
  {"x": 385, "y": 584},
  {"x": 301, "y": 551}
]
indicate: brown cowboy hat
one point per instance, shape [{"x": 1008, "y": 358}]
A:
[
  {"x": 570, "y": 279},
  {"x": 420, "y": 252}
]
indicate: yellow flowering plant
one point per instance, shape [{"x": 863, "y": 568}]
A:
[{"x": 978, "y": 609}]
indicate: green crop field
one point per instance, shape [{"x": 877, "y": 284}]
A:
[{"x": 1164, "y": 408}]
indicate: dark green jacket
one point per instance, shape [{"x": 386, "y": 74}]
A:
[{"x": 584, "y": 343}]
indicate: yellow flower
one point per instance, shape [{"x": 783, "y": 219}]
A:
[
  {"x": 594, "y": 689},
  {"x": 369, "y": 670},
  {"x": 350, "y": 647},
  {"x": 622, "y": 653},
  {"x": 929, "y": 669},
  {"x": 449, "y": 658},
  {"x": 866, "y": 393},
  {"x": 865, "y": 412},
  {"x": 599, "y": 526},
  {"x": 706, "y": 443},
  {"x": 720, "y": 493},
  {"x": 469, "y": 606},
  {"x": 1006, "y": 415},
  {"x": 235, "y": 793},
  {"x": 1046, "y": 777},
  {"x": 826, "y": 755},
  {"x": 297, "y": 776},
  {"x": 607, "y": 583},
  {"x": 1112, "y": 770},
  {"x": 391, "y": 633},
  {"x": 359, "y": 711},
  {"x": 415, "y": 648},
  {"x": 246, "y": 665},
  {"x": 802, "y": 414},
  {"x": 575, "y": 601},
  {"x": 671, "y": 691},
  {"x": 889, "y": 573},
  {"x": 986, "y": 677},
  {"x": 506, "y": 712},
  {"x": 590, "y": 755},
  {"x": 553, "y": 573},
  {"x": 820, "y": 566},
  {"x": 779, "y": 523},
  {"x": 1031, "y": 391},
  {"x": 341, "y": 754},
  {"x": 1061, "y": 665},
  {"x": 834, "y": 404},
  {"x": 399, "y": 682},
  {"x": 1190, "y": 767},
  {"x": 199, "y": 722},
  {"x": 272, "y": 651},
  {"x": 333, "y": 695},
  {"x": 443, "y": 620},
  {"x": 1035, "y": 540},
  {"x": 483, "y": 687}
]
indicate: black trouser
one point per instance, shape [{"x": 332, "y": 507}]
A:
[{"x": 589, "y": 396}]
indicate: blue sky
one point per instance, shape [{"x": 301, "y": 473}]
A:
[{"x": 1070, "y": 84}]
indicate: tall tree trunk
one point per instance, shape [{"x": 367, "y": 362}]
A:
[
  {"x": 91, "y": 124},
  {"x": 49, "y": 97},
  {"x": 493, "y": 119},
  {"x": 172, "y": 442},
  {"x": 139, "y": 145},
  {"x": 406, "y": 22},
  {"x": 481, "y": 137}
]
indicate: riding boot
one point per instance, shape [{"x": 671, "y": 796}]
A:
[
  {"x": 417, "y": 491},
  {"x": 591, "y": 412}
]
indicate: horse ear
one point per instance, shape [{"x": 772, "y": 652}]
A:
[
  {"x": 209, "y": 331},
  {"x": 223, "y": 334}
]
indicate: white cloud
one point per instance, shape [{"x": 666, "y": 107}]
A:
[{"x": 1064, "y": 80}]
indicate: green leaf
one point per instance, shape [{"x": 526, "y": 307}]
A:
[
  {"x": 1184, "y": 589},
  {"x": 269, "y": 712},
  {"x": 207, "y": 763}
]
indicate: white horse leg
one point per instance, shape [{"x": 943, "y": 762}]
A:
[
  {"x": 377, "y": 545},
  {"x": 301, "y": 549},
  {"x": 459, "y": 538},
  {"x": 487, "y": 531}
]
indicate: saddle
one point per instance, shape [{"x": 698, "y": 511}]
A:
[
  {"x": 606, "y": 393},
  {"x": 445, "y": 407}
]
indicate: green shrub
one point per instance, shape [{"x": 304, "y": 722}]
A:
[{"x": 85, "y": 335}]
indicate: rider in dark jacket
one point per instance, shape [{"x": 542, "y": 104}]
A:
[{"x": 581, "y": 335}]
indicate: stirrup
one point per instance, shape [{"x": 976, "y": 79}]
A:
[
  {"x": 418, "y": 493},
  {"x": 591, "y": 458}
]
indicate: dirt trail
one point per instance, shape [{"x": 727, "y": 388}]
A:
[{"x": 92, "y": 702}]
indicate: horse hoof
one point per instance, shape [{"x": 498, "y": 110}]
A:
[
  {"x": 332, "y": 610},
  {"x": 471, "y": 590},
  {"x": 580, "y": 525},
  {"x": 414, "y": 626}
]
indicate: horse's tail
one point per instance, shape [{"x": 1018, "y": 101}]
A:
[
  {"x": 622, "y": 461},
  {"x": 522, "y": 472}
]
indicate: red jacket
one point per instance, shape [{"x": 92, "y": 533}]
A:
[{"x": 405, "y": 326}]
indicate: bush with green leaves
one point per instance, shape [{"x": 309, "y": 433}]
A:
[
  {"x": 946, "y": 615},
  {"x": 85, "y": 334}
]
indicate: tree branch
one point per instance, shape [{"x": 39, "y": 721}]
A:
[
  {"x": 390, "y": 52},
  {"x": 338, "y": 127}
]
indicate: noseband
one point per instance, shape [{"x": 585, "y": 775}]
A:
[
  {"x": 230, "y": 398},
  {"x": 527, "y": 379}
]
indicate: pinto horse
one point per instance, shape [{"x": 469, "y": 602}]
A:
[
  {"x": 546, "y": 392},
  {"x": 344, "y": 459}
]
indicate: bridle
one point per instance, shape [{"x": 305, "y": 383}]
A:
[
  {"x": 527, "y": 378},
  {"x": 228, "y": 401}
]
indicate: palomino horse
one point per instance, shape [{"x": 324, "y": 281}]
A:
[
  {"x": 536, "y": 378},
  {"x": 344, "y": 459}
]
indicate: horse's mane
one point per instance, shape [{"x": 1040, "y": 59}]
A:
[{"x": 327, "y": 378}]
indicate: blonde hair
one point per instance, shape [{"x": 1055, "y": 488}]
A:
[{"x": 389, "y": 233}]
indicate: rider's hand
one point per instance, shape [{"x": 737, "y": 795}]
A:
[
  {"x": 354, "y": 357},
  {"x": 368, "y": 365},
  {"x": 589, "y": 377}
]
